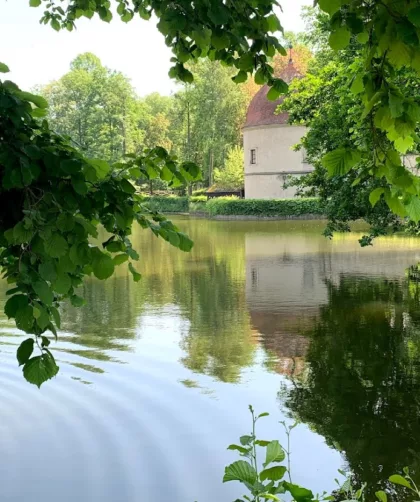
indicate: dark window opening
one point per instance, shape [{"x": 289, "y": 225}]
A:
[{"x": 253, "y": 156}]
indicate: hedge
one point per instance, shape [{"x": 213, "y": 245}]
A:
[
  {"x": 262, "y": 207},
  {"x": 232, "y": 206},
  {"x": 167, "y": 204}
]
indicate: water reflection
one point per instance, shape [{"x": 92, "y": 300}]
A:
[{"x": 167, "y": 362}]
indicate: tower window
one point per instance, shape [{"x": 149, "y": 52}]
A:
[{"x": 253, "y": 156}]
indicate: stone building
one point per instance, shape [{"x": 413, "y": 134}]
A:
[{"x": 268, "y": 146}]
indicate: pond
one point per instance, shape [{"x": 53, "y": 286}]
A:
[{"x": 156, "y": 377}]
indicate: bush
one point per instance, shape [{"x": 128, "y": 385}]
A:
[
  {"x": 198, "y": 207},
  {"x": 198, "y": 198},
  {"x": 261, "y": 207},
  {"x": 200, "y": 191},
  {"x": 231, "y": 176},
  {"x": 168, "y": 204}
]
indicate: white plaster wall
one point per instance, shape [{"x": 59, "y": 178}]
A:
[{"x": 273, "y": 145}]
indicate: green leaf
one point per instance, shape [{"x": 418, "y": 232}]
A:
[
  {"x": 273, "y": 23},
  {"x": 414, "y": 16},
  {"x": 25, "y": 318},
  {"x": 375, "y": 195},
  {"x": 25, "y": 350},
  {"x": 262, "y": 442},
  {"x": 101, "y": 167},
  {"x": 44, "y": 292},
  {"x": 34, "y": 3},
  {"x": 274, "y": 453},
  {"x": 371, "y": 103},
  {"x": 135, "y": 274},
  {"x": 4, "y": 68},
  {"x": 115, "y": 246},
  {"x": 15, "y": 303},
  {"x": 127, "y": 187},
  {"x": 413, "y": 212},
  {"x": 265, "y": 414},
  {"x": 45, "y": 341},
  {"x": 236, "y": 447},
  {"x": 102, "y": 265},
  {"x": 395, "y": 205},
  {"x": 43, "y": 319},
  {"x": 38, "y": 101},
  {"x": 399, "y": 480},
  {"x": 120, "y": 258},
  {"x": 79, "y": 185},
  {"x": 47, "y": 271},
  {"x": 56, "y": 246},
  {"x": 357, "y": 86},
  {"x": 261, "y": 77},
  {"x": 382, "y": 496},
  {"x": 273, "y": 473},
  {"x": 273, "y": 94},
  {"x": 185, "y": 243},
  {"x": 339, "y": 39},
  {"x": 396, "y": 105},
  {"x": 340, "y": 161},
  {"x": 329, "y": 6},
  {"x": 39, "y": 369},
  {"x": 245, "y": 440},
  {"x": 240, "y": 471},
  {"x": 297, "y": 492},
  {"x": 240, "y": 78},
  {"x": 56, "y": 316},
  {"x": 363, "y": 37},
  {"x": 403, "y": 145},
  {"x": 62, "y": 284},
  {"x": 77, "y": 301}
]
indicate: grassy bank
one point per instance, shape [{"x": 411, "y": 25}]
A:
[{"x": 232, "y": 207}]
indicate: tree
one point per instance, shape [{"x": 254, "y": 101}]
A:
[
  {"x": 96, "y": 107},
  {"x": 231, "y": 177}
]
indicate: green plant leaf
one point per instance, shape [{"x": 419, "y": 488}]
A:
[
  {"x": 15, "y": 303},
  {"x": 245, "y": 440},
  {"x": 47, "y": 271},
  {"x": 273, "y": 473},
  {"x": 375, "y": 195},
  {"x": 185, "y": 243},
  {"x": 120, "y": 258},
  {"x": 56, "y": 246},
  {"x": 4, "y": 68},
  {"x": 34, "y": 3},
  {"x": 395, "y": 205},
  {"x": 381, "y": 495},
  {"x": 240, "y": 471},
  {"x": 274, "y": 453},
  {"x": 298, "y": 493},
  {"x": 56, "y": 316},
  {"x": 236, "y": 447},
  {"x": 25, "y": 350},
  {"x": 25, "y": 318},
  {"x": 62, "y": 284},
  {"x": 44, "y": 292},
  {"x": 357, "y": 86},
  {"x": 340, "y": 161},
  {"x": 102, "y": 265},
  {"x": 397, "y": 479},
  {"x": 414, "y": 16},
  {"x": 329, "y": 6},
  {"x": 39, "y": 369},
  {"x": 396, "y": 105},
  {"x": 339, "y": 39},
  {"x": 134, "y": 273},
  {"x": 261, "y": 442}
]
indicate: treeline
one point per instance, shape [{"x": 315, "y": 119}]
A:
[{"x": 100, "y": 111}]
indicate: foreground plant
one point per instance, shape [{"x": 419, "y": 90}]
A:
[
  {"x": 52, "y": 200},
  {"x": 265, "y": 481}
]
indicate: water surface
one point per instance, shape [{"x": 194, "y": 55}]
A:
[{"x": 156, "y": 377}]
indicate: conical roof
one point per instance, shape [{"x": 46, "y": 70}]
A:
[{"x": 261, "y": 111}]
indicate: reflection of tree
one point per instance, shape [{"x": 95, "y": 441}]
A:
[{"x": 361, "y": 392}]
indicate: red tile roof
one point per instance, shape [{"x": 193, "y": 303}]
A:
[{"x": 261, "y": 111}]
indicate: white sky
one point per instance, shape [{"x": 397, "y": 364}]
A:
[{"x": 36, "y": 54}]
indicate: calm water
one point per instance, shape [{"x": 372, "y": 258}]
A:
[{"x": 156, "y": 377}]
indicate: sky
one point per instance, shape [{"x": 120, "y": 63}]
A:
[{"x": 36, "y": 54}]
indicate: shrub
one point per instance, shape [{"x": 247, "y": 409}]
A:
[
  {"x": 200, "y": 191},
  {"x": 169, "y": 204},
  {"x": 261, "y": 207},
  {"x": 231, "y": 176},
  {"x": 198, "y": 207},
  {"x": 198, "y": 198}
]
